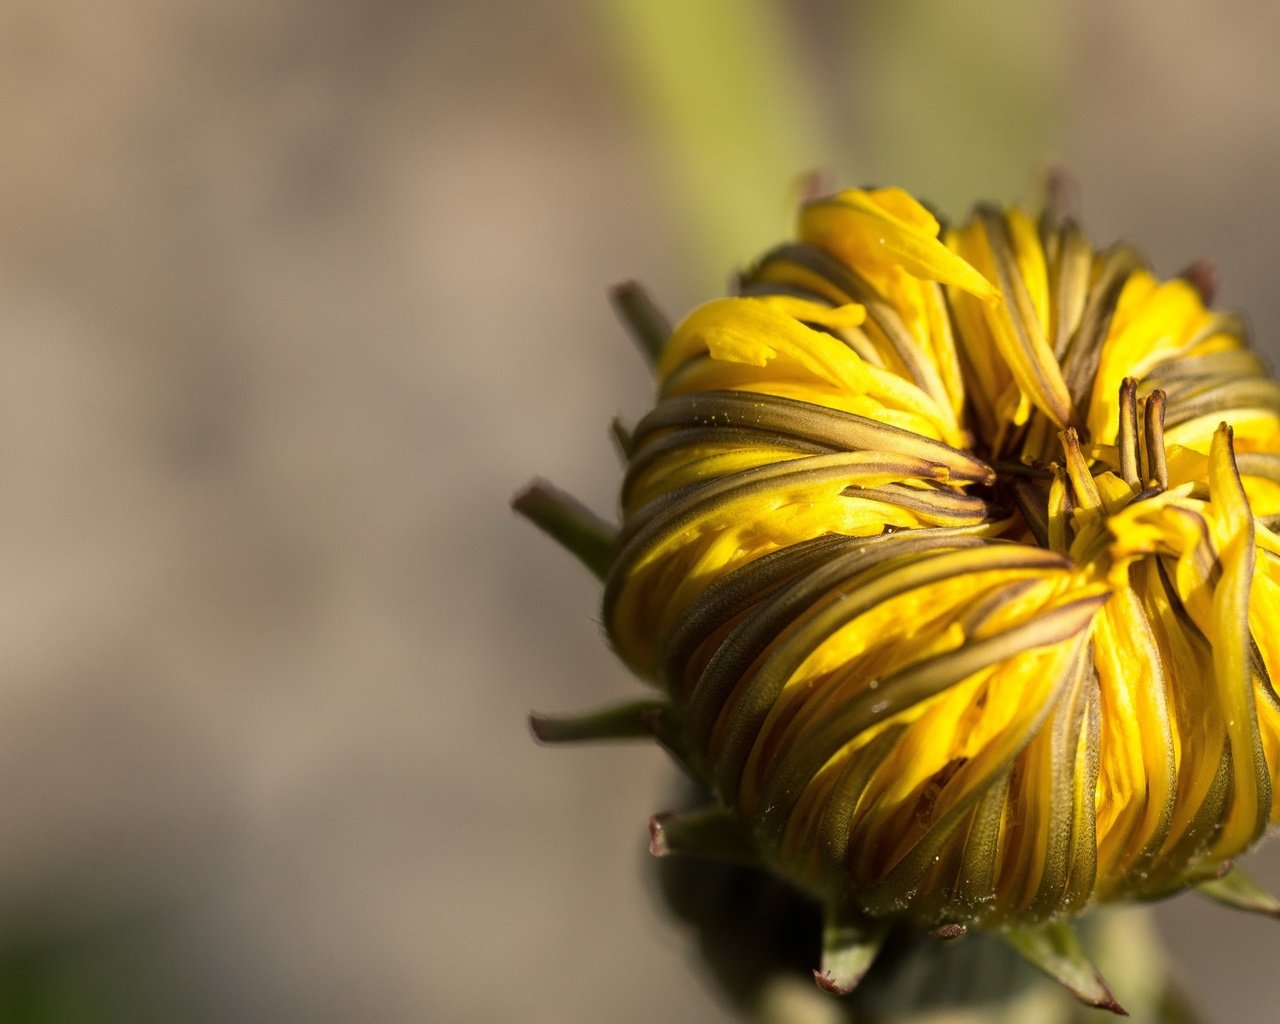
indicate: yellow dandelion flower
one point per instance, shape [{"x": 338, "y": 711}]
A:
[{"x": 950, "y": 554}]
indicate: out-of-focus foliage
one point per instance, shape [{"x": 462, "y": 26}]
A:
[{"x": 951, "y": 101}]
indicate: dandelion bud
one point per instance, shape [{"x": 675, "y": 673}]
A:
[{"x": 949, "y": 555}]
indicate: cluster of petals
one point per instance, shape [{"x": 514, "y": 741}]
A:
[{"x": 950, "y": 553}]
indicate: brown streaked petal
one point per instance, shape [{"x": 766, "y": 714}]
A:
[
  {"x": 760, "y": 692},
  {"x": 907, "y": 688}
]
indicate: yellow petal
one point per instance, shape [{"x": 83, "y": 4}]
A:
[{"x": 888, "y": 228}]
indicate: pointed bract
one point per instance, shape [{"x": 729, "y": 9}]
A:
[
  {"x": 570, "y": 523},
  {"x": 1238, "y": 890},
  {"x": 713, "y": 832},
  {"x": 1055, "y": 950},
  {"x": 623, "y": 722},
  {"x": 849, "y": 946}
]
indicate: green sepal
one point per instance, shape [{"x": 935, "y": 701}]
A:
[
  {"x": 850, "y": 943},
  {"x": 665, "y": 726},
  {"x": 1238, "y": 890},
  {"x": 712, "y": 832},
  {"x": 570, "y": 523},
  {"x": 644, "y": 320},
  {"x": 624, "y": 722},
  {"x": 623, "y": 439},
  {"x": 1055, "y": 950}
]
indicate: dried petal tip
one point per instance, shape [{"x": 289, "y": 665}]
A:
[
  {"x": 1061, "y": 197},
  {"x": 714, "y": 833},
  {"x": 1055, "y": 950},
  {"x": 1203, "y": 277},
  {"x": 814, "y": 184},
  {"x": 658, "y": 835}
]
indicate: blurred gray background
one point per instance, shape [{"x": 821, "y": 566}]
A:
[{"x": 295, "y": 295}]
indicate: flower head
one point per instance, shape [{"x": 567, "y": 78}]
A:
[{"x": 949, "y": 552}]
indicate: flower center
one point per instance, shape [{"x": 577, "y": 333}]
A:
[{"x": 1070, "y": 505}]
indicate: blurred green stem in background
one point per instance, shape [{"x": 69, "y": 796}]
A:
[
  {"x": 721, "y": 83},
  {"x": 956, "y": 102},
  {"x": 961, "y": 102}
]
